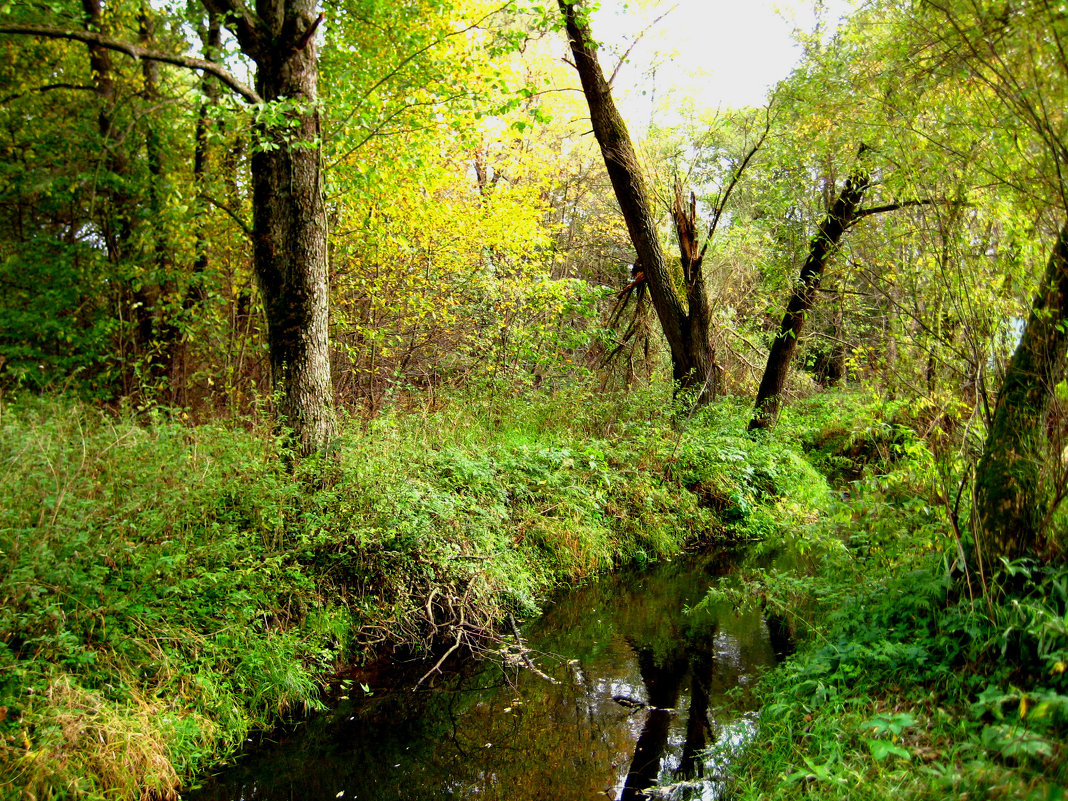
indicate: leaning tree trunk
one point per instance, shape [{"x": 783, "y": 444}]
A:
[
  {"x": 689, "y": 358},
  {"x": 839, "y": 218},
  {"x": 1009, "y": 508},
  {"x": 289, "y": 221}
]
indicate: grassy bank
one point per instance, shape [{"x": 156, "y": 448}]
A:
[
  {"x": 906, "y": 684},
  {"x": 167, "y": 588}
]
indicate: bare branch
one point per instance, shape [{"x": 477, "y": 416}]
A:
[
  {"x": 722, "y": 204},
  {"x": 638, "y": 38},
  {"x": 134, "y": 51}
]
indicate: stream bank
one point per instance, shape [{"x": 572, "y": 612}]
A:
[
  {"x": 636, "y": 685},
  {"x": 170, "y": 589}
]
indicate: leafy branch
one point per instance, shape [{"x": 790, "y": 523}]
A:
[{"x": 136, "y": 52}]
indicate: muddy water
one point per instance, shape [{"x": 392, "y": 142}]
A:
[{"x": 647, "y": 695}]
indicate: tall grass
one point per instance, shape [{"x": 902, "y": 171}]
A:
[{"x": 166, "y": 588}]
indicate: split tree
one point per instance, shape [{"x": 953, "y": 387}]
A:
[{"x": 687, "y": 325}]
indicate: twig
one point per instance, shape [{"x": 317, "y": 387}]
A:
[
  {"x": 446, "y": 655},
  {"x": 638, "y": 38},
  {"x": 523, "y": 654}
]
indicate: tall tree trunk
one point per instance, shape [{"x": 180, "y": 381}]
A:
[
  {"x": 196, "y": 290},
  {"x": 289, "y": 219},
  {"x": 211, "y": 40},
  {"x": 690, "y": 357},
  {"x": 116, "y": 223},
  {"x": 117, "y": 209},
  {"x": 1009, "y": 510},
  {"x": 839, "y": 218}
]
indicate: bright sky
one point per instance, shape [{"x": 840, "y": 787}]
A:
[{"x": 720, "y": 53}]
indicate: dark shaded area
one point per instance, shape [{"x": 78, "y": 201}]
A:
[
  {"x": 639, "y": 680},
  {"x": 662, "y": 683},
  {"x": 779, "y": 635}
]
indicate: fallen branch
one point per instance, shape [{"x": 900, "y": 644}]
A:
[
  {"x": 524, "y": 655},
  {"x": 444, "y": 656}
]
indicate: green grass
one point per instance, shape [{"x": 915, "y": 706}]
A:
[
  {"x": 167, "y": 588},
  {"x": 906, "y": 684}
]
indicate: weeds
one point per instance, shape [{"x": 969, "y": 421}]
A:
[
  {"x": 904, "y": 686},
  {"x": 165, "y": 589}
]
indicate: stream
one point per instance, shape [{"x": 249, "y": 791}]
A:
[{"x": 644, "y": 689}]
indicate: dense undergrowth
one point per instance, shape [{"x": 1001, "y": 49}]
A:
[
  {"x": 166, "y": 588},
  {"x": 908, "y": 681}
]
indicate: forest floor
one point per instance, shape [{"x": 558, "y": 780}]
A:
[{"x": 167, "y": 588}]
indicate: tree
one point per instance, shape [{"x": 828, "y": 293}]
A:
[
  {"x": 990, "y": 81},
  {"x": 117, "y": 199},
  {"x": 289, "y": 225},
  {"x": 1015, "y": 59},
  {"x": 289, "y": 219},
  {"x": 1011, "y": 510},
  {"x": 839, "y": 217},
  {"x": 685, "y": 326}
]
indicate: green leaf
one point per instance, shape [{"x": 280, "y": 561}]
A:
[{"x": 884, "y": 749}]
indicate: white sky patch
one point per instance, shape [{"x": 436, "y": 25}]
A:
[{"x": 713, "y": 53}]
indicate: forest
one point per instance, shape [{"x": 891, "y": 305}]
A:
[{"x": 339, "y": 331}]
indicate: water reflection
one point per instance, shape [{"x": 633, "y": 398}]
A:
[{"x": 642, "y": 691}]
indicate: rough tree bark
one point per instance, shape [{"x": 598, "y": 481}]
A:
[
  {"x": 841, "y": 215},
  {"x": 289, "y": 220},
  {"x": 1010, "y": 512},
  {"x": 687, "y": 332}
]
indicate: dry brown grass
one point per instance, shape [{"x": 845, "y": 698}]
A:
[{"x": 86, "y": 745}]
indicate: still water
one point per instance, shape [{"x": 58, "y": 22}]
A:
[{"x": 644, "y": 689}]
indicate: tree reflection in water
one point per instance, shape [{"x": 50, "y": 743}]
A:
[
  {"x": 662, "y": 684},
  {"x": 489, "y": 735}
]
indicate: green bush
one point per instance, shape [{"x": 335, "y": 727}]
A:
[{"x": 167, "y": 588}]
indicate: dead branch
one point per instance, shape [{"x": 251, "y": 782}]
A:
[{"x": 524, "y": 654}]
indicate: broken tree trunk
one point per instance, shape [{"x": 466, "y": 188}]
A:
[{"x": 687, "y": 333}]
